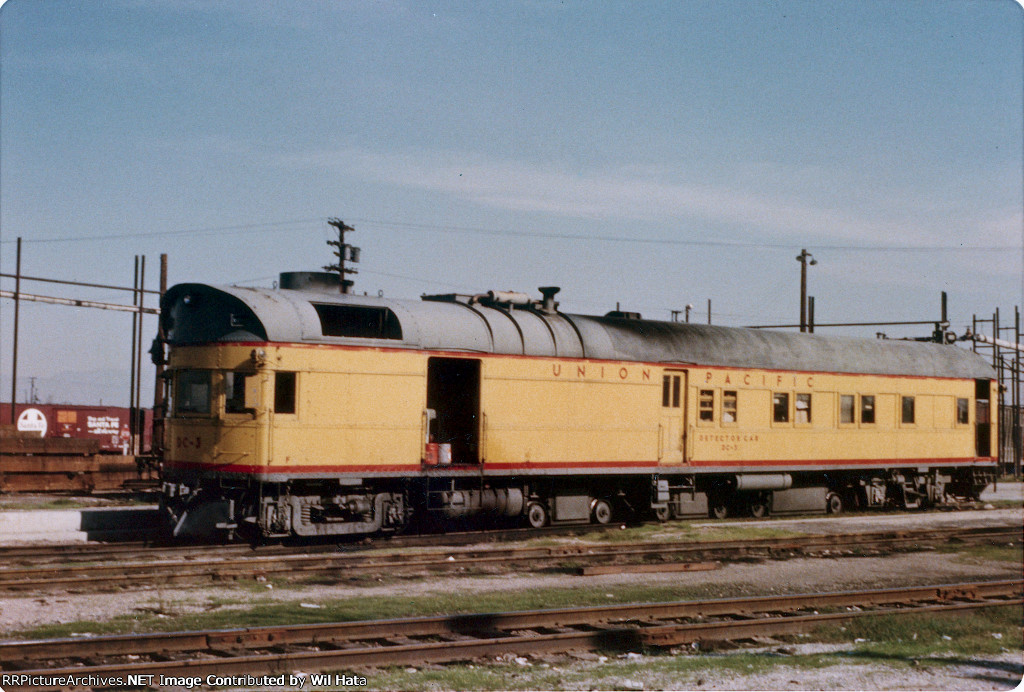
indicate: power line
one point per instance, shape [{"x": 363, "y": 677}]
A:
[
  {"x": 679, "y": 241},
  {"x": 276, "y": 225},
  {"x": 269, "y": 225}
]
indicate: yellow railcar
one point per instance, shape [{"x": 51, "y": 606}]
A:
[{"x": 304, "y": 411}]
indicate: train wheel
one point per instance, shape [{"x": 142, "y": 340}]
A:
[
  {"x": 601, "y": 513},
  {"x": 719, "y": 509},
  {"x": 537, "y": 515},
  {"x": 834, "y": 503},
  {"x": 663, "y": 513},
  {"x": 760, "y": 507}
]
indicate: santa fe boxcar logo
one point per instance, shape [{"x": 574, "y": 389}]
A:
[{"x": 32, "y": 420}]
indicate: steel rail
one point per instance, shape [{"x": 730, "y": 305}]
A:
[
  {"x": 289, "y": 565},
  {"x": 65, "y": 553},
  {"x": 21, "y": 579},
  {"x": 252, "y": 637},
  {"x": 148, "y": 549},
  {"x": 463, "y": 637}
]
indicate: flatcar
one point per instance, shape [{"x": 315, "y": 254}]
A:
[{"x": 303, "y": 411}]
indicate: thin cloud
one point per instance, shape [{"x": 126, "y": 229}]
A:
[{"x": 659, "y": 195}]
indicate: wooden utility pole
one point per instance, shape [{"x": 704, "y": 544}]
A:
[
  {"x": 344, "y": 252},
  {"x": 137, "y": 407},
  {"x": 14, "y": 364},
  {"x": 132, "y": 389}
]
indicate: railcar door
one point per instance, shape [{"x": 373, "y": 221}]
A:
[
  {"x": 453, "y": 393},
  {"x": 672, "y": 424}
]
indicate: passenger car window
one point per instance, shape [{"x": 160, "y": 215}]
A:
[
  {"x": 729, "y": 409},
  {"x": 846, "y": 408},
  {"x": 780, "y": 407},
  {"x": 907, "y": 414},
  {"x": 803, "y": 408},
  {"x": 867, "y": 409},
  {"x": 962, "y": 411},
  {"x": 707, "y": 405}
]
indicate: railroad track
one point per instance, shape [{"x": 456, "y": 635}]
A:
[
  {"x": 159, "y": 547},
  {"x": 101, "y": 575},
  {"x": 446, "y": 639},
  {"x": 29, "y": 555}
]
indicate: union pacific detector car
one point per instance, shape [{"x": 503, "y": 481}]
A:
[{"x": 301, "y": 411}]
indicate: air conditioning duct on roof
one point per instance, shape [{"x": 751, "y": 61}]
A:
[{"x": 320, "y": 282}]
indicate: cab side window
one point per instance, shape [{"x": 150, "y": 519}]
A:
[
  {"x": 284, "y": 392},
  {"x": 234, "y": 392}
]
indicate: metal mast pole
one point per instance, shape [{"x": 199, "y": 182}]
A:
[
  {"x": 803, "y": 258},
  {"x": 1016, "y": 398},
  {"x": 158, "y": 359}
]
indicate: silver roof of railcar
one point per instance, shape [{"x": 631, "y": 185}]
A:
[{"x": 195, "y": 313}]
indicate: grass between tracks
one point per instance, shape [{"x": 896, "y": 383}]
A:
[
  {"x": 687, "y": 531},
  {"x": 977, "y": 554},
  {"x": 911, "y": 638},
  {"x": 908, "y": 642},
  {"x": 900, "y": 642},
  {"x": 159, "y": 614},
  {"x": 267, "y": 604},
  {"x": 257, "y": 604}
]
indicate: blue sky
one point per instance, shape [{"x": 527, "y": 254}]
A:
[{"x": 651, "y": 154}]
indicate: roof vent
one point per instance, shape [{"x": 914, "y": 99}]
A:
[
  {"x": 318, "y": 282},
  {"x": 548, "y": 303}
]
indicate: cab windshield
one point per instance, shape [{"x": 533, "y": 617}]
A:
[{"x": 191, "y": 393}]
